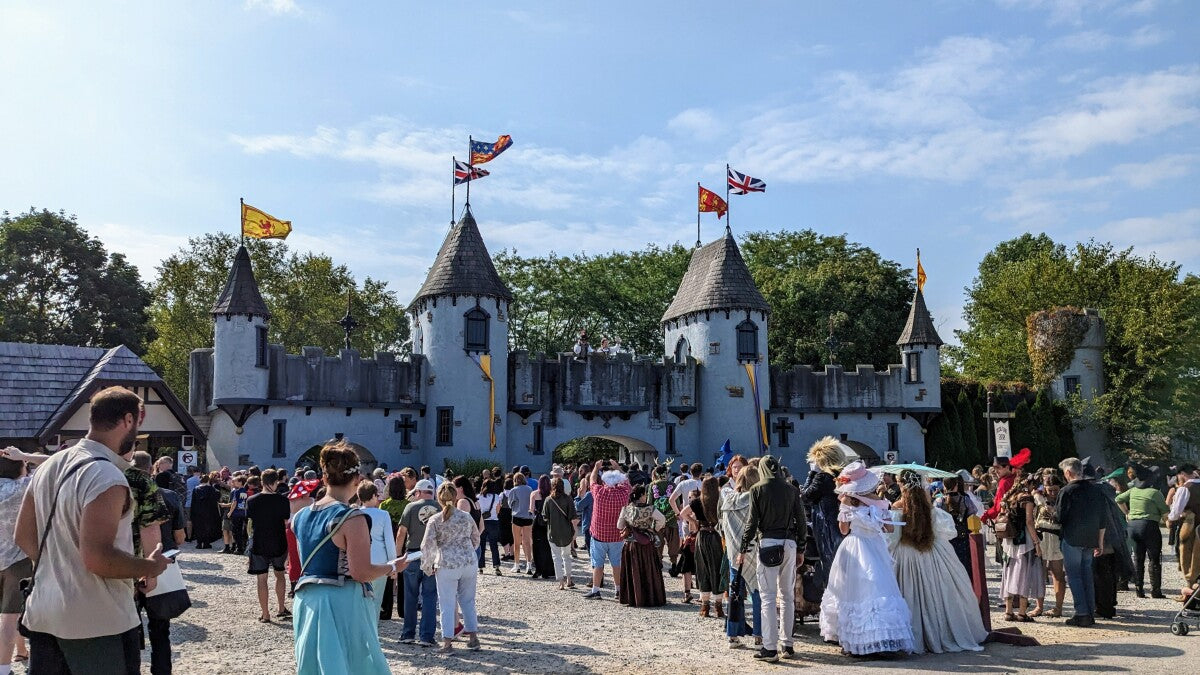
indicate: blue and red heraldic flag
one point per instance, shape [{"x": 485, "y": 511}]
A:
[
  {"x": 740, "y": 183},
  {"x": 483, "y": 152},
  {"x": 464, "y": 172},
  {"x": 710, "y": 201}
]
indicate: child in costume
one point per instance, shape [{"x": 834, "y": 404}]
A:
[{"x": 862, "y": 608}]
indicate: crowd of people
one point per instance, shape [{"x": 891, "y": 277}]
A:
[{"x": 885, "y": 562}]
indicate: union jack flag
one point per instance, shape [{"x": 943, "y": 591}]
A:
[
  {"x": 464, "y": 172},
  {"x": 740, "y": 183}
]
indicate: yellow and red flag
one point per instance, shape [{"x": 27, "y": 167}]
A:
[
  {"x": 259, "y": 224},
  {"x": 920, "y": 273},
  {"x": 710, "y": 201}
]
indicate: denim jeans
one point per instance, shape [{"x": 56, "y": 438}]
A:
[
  {"x": 739, "y": 626},
  {"x": 1078, "y": 565},
  {"x": 418, "y": 586},
  {"x": 490, "y": 535}
]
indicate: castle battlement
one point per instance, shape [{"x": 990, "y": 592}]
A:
[{"x": 865, "y": 389}]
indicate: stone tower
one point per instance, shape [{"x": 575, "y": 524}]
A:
[
  {"x": 719, "y": 318},
  {"x": 919, "y": 345},
  {"x": 1085, "y": 378},
  {"x": 459, "y": 320},
  {"x": 240, "y": 320}
]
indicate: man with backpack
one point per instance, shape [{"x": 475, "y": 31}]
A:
[{"x": 660, "y": 494}]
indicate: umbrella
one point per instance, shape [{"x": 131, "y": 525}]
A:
[{"x": 925, "y": 471}]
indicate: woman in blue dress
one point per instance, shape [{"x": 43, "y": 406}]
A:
[
  {"x": 334, "y": 615},
  {"x": 821, "y": 501}
]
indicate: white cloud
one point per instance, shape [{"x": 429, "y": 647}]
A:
[
  {"x": 1098, "y": 40},
  {"x": 1060, "y": 11},
  {"x": 1170, "y": 236},
  {"x": 1118, "y": 111},
  {"x": 696, "y": 122},
  {"x": 275, "y": 6}
]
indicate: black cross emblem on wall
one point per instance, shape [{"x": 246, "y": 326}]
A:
[
  {"x": 783, "y": 427},
  {"x": 405, "y": 426}
]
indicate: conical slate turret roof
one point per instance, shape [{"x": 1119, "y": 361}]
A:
[
  {"x": 919, "y": 330},
  {"x": 241, "y": 296},
  {"x": 716, "y": 278},
  {"x": 463, "y": 266}
]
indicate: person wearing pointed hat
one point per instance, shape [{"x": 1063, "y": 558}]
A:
[
  {"x": 863, "y": 609},
  {"x": 1145, "y": 507}
]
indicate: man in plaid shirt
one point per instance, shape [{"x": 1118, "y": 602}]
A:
[{"x": 610, "y": 493}]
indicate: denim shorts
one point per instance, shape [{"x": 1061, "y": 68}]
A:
[{"x": 599, "y": 550}]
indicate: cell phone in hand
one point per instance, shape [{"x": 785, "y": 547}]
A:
[{"x": 171, "y": 554}]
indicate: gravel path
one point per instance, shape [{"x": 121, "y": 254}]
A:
[{"x": 529, "y": 626}]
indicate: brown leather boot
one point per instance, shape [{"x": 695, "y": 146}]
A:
[
  {"x": 720, "y": 610},
  {"x": 704, "y": 609}
]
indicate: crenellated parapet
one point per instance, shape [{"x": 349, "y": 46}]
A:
[{"x": 834, "y": 389}]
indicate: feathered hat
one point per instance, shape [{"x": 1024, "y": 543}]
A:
[{"x": 828, "y": 453}]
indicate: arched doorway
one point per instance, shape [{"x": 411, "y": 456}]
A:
[
  {"x": 862, "y": 451},
  {"x": 590, "y": 448},
  {"x": 312, "y": 457}
]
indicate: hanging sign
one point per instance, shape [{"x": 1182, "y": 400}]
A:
[{"x": 1003, "y": 440}]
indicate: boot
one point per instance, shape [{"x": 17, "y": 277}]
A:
[
  {"x": 704, "y": 609},
  {"x": 720, "y": 609},
  {"x": 1156, "y": 581}
]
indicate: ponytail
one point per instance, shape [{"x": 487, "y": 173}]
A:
[{"x": 447, "y": 496}]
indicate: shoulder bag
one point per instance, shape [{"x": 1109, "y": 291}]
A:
[{"x": 27, "y": 583}]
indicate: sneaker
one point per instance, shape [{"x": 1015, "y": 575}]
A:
[
  {"x": 788, "y": 652},
  {"x": 427, "y": 643},
  {"x": 516, "y": 569},
  {"x": 769, "y": 655},
  {"x": 593, "y": 594},
  {"x": 473, "y": 642},
  {"x": 408, "y": 641},
  {"x": 735, "y": 643},
  {"x": 498, "y": 572}
]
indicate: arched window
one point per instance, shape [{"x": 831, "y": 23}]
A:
[
  {"x": 682, "y": 350},
  {"x": 747, "y": 341},
  {"x": 475, "y": 330}
]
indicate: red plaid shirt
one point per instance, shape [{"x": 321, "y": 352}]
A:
[{"x": 607, "y": 503}]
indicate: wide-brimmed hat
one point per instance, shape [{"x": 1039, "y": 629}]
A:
[{"x": 856, "y": 479}]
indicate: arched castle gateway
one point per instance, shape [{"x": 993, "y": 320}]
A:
[{"x": 463, "y": 394}]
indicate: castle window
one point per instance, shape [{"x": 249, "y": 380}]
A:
[
  {"x": 747, "y": 341},
  {"x": 279, "y": 441},
  {"x": 445, "y": 425},
  {"x": 1071, "y": 386},
  {"x": 893, "y": 437},
  {"x": 912, "y": 367},
  {"x": 475, "y": 330},
  {"x": 260, "y": 346},
  {"x": 682, "y": 350}
]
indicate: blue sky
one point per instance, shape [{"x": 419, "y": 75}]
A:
[{"x": 946, "y": 125}]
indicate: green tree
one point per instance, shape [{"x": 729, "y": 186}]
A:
[
  {"x": 586, "y": 449},
  {"x": 620, "y": 295},
  {"x": 60, "y": 286},
  {"x": 1045, "y": 444},
  {"x": 807, "y": 278},
  {"x": 305, "y": 292},
  {"x": 966, "y": 425},
  {"x": 1064, "y": 429},
  {"x": 979, "y": 408},
  {"x": 1020, "y": 429},
  {"x": 939, "y": 443},
  {"x": 1152, "y": 318}
]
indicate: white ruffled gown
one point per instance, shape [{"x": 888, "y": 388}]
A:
[
  {"x": 862, "y": 608},
  {"x": 935, "y": 585}
]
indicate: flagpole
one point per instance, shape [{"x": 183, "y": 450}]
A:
[
  {"x": 728, "y": 204},
  {"x": 470, "y": 168},
  {"x": 241, "y": 221},
  {"x": 453, "y": 186},
  {"x": 697, "y": 214}
]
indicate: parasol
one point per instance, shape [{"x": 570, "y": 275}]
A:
[{"x": 926, "y": 471}]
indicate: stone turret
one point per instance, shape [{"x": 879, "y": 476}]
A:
[
  {"x": 240, "y": 320},
  {"x": 719, "y": 317},
  {"x": 460, "y": 321},
  {"x": 919, "y": 344}
]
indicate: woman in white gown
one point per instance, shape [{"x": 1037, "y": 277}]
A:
[
  {"x": 945, "y": 612},
  {"x": 862, "y": 608}
]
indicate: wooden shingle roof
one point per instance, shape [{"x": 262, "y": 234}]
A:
[
  {"x": 463, "y": 266},
  {"x": 919, "y": 329},
  {"x": 241, "y": 297},
  {"x": 716, "y": 278}
]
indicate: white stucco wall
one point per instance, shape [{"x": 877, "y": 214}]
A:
[{"x": 235, "y": 373}]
